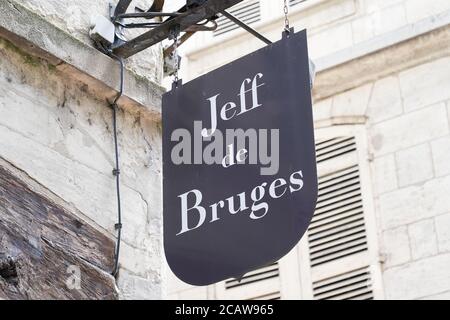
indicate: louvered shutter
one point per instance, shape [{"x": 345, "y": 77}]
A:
[
  {"x": 248, "y": 12},
  {"x": 337, "y": 229},
  {"x": 337, "y": 243}
]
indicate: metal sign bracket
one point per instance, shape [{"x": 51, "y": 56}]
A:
[{"x": 194, "y": 16}]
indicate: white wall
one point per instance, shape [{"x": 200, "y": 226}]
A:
[
  {"x": 405, "y": 114},
  {"x": 333, "y": 26}
]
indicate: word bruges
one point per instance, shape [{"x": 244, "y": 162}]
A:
[{"x": 191, "y": 202}]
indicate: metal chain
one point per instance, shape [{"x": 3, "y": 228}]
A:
[
  {"x": 286, "y": 18},
  {"x": 175, "y": 55}
]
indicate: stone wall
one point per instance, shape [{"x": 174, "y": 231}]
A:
[
  {"x": 408, "y": 125},
  {"x": 334, "y": 27},
  {"x": 412, "y": 153},
  {"x": 56, "y": 129}
]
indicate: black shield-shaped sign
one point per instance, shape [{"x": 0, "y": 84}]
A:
[{"x": 239, "y": 166}]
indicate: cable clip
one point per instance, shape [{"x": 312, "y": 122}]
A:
[{"x": 116, "y": 172}]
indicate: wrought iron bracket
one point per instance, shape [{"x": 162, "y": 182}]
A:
[
  {"x": 190, "y": 18},
  {"x": 195, "y": 16}
]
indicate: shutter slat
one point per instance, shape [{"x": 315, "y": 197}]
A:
[
  {"x": 333, "y": 176},
  {"x": 336, "y": 242},
  {"x": 358, "y": 241},
  {"x": 327, "y": 144},
  {"x": 338, "y": 255},
  {"x": 349, "y": 282},
  {"x": 340, "y": 277},
  {"x": 335, "y": 148},
  {"x": 334, "y": 144},
  {"x": 329, "y": 184},
  {"x": 337, "y": 236},
  {"x": 248, "y": 12},
  {"x": 333, "y": 216},
  {"x": 352, "y": 285},
  {"x": 338, "y": 229},
  {"x": 338, "y": 205},
  {"x": 340, "y": 191},
  {"x": 341, "y": 210},
  {"x": 347, "y": 295},
  {"x": 335, "y": 226}
]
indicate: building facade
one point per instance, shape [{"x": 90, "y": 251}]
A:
[
  {"x": 58, "y": 205},
  {"x": 382, "y": 116},
  {"x": 381, "y": 95}
]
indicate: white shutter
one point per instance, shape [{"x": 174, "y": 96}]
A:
[
  {"x": 354, "y": 285},
  {"x": 337, "y": 245},
  {"x": 332, "y": 148},
  {"x": 248, "y": 12},
  {"x": 337, "y": 229}
]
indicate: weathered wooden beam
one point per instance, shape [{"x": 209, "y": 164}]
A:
[{"x": 42, "y": 242}]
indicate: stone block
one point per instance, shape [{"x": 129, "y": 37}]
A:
[
  {"x": 384, "y": 174},
  {"x": 439, "y": 296},
  {"x": 138, "y": 288},
  {"x": 322, "y": 110},
  {"x": 388, "y": 19},
  {"x": 409, "y": 130},
  {"x": 414, "y": 203},
  {"x": 441, "y": 156},
  {"x": 395, "y": 246},
  {"x": 417, "y": 9},
  {"x": 330, "y": 40},
  {"x": 414, "y": 165},
  {"x": 352, "y": 103},
  {"x": 422, "y": 278},
  {"x": 422, "y": 236},
  {"x": 386, "y": 101},
  {"x": 443, "y": 232},
  {"x": 426, "y": 84}
]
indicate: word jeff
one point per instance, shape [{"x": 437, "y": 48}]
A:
[
  {"x": 229, "y": 110},
  {"x": 251, "y": 203}
]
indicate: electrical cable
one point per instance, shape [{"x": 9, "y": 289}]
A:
[{"x": 116, "y": 170}]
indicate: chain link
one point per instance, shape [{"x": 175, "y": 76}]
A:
[
  {"x": 175, "y": 55},
  {"x": 286, "y": 18},
  {"x": 174, "y": 34}
]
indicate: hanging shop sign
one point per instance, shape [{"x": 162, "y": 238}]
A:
[{"x": 239, "y": 166}]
